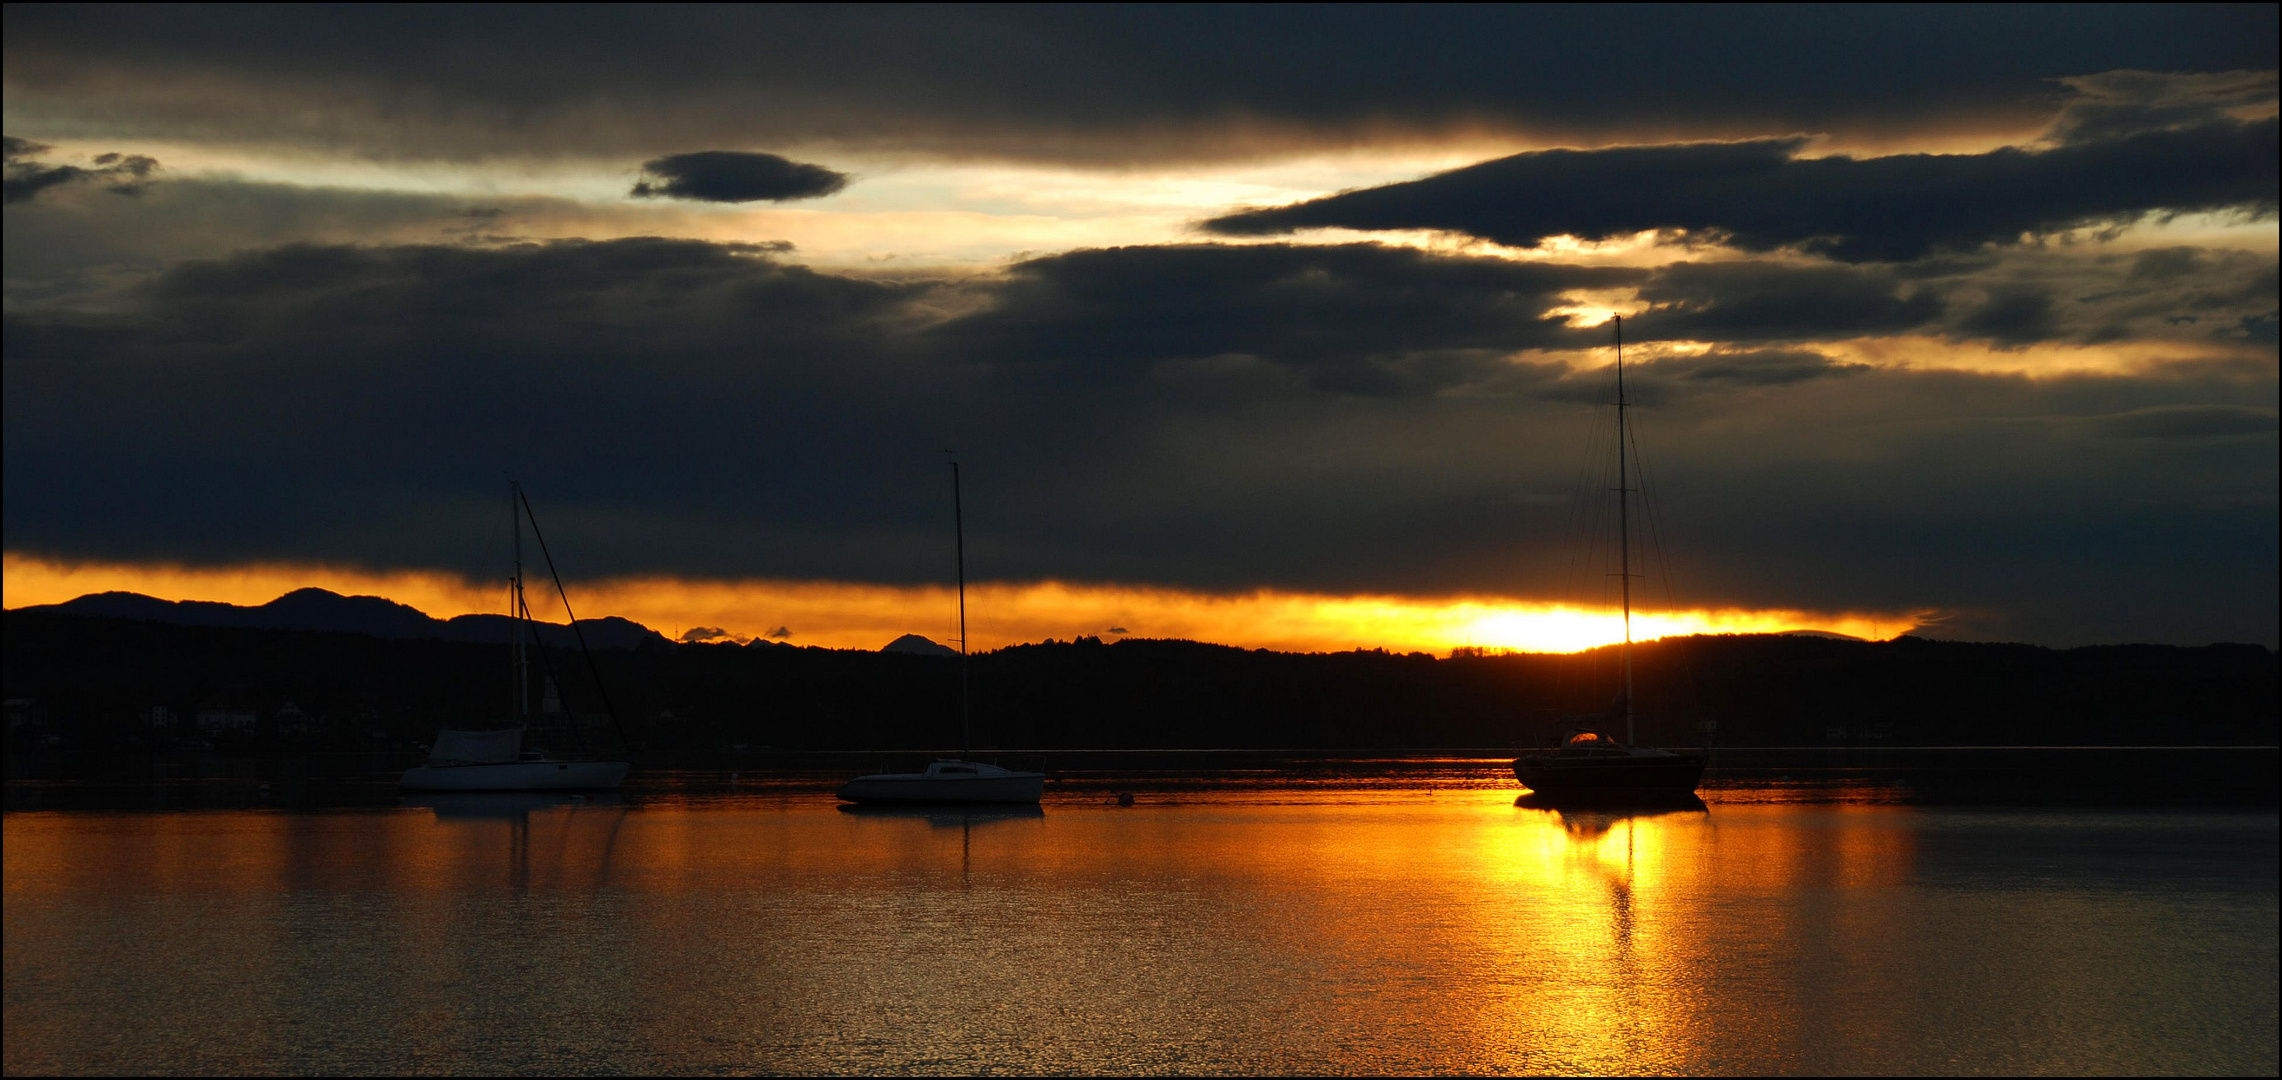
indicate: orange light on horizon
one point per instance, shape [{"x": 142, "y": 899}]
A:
[{"x": 865, "y": 616}]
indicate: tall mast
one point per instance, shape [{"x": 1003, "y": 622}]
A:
[
  {"x": 521, "y": 611},
  {"x": 1624, "y": 529},
  {"x": 959, "y": 531}
]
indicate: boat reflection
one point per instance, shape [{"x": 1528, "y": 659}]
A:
[
  {"x": 509, "y": 806},
  {"x": 524, "y": 838},
  {"x": 1585, "y": 819},
  {"x": 948, "y": 816}
]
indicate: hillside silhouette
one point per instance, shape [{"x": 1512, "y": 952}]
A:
[
  {"x": 323, "y": 609},
  {"x": 99, "y": 685}
]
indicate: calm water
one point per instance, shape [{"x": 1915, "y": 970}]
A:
[{"x": 1233, "y": 930}]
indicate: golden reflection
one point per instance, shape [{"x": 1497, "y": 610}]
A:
[
  {"x": 847, "y": 615},
  {"x": 1442, "y": 932}
]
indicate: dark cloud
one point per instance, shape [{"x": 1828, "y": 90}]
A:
[
  {"x": 2256, "y": 328},
  {"x": 1190, "y": 416},
  {"x": 1761, "y": 196},
  {"x": 2011, "y": 315},
  {"x": 121, "y": 174},
  {"x": 703, "y": 634},
  {"x": 731, "y": 176},
  {"x": 2188, "y": 422},
  {"x": 1093, "y": 83},
  {"x": 1360, "y": 317},
  {"x": 1760, "y": 301},
  {"x": 1751, "y": 367},
  {"x": 77, "y": 246},
  {"x": 2164, "y": 264},
  {"x": 2117, "y": 103}
]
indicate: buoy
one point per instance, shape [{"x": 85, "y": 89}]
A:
[{"x": 1124, "y": 798}]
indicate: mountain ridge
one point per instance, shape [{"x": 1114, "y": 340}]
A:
[{"x": 318, "y": 609}]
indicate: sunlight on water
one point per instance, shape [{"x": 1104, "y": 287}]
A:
[{"x": 1445, "y": 932}]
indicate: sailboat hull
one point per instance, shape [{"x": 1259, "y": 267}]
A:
[
  {"x": 1663, "y": 775},
  {"x": 516, "y": 776}
]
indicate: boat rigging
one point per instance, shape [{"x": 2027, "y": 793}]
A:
[
  {"x": 952, "y": 780},
  {"x": 499, "y": 759},
  {"x": 1589, "y": 761}
]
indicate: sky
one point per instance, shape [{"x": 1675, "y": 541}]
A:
[{"x": 1282, "y": 327}]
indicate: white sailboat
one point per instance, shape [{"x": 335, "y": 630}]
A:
[
  {"x": 947, "y": 781},
  {"x": 498, "y": 759},
  {"x": 951, "y": 780}
]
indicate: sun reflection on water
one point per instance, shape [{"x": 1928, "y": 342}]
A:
[{"x": 1284, "y": 931}]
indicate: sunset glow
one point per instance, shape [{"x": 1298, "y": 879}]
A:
[{"x": 861, "y": 616}]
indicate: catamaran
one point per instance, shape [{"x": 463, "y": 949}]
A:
[
  {"x": 952, "y": 780},
  {"x": 500, "y": 758},
  {"x": 1590, "y": 761}
]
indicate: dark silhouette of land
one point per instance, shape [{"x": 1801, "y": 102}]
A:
[
  {"x": 94, "y": 686},
  {"x": 321, "y": 609}
]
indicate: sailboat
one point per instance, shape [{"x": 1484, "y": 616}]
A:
[
  {"x": 1590, "y": 761},
  {"x": 952, "y": 780},
  {"x": 501, "y": 759}
]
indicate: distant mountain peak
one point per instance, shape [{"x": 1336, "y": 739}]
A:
[
  {"x": 312, "y": 591},
  {"x": 919, "y": 646}
]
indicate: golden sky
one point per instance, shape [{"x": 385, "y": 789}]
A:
[{"x": 857, "y": 616}]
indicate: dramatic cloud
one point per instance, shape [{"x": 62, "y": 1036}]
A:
[
  {"x": 1360, "y": 318},
  {"x": 2118, "y": 103},
  {"x": 122, "y": 174},
  {"x": 1761, "y": 196},
  {"x": 730, "y": 176},
  {"x": 1761, "y": 367},
  {"x": 1751, "y": 301},
  {"x": 1343, "y": 419},
  {"x": 1105, "y": 83}
]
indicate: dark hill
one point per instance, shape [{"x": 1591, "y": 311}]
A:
[
  {"x": 918, "y": 646},
  {"x": 93, "y": 682},
  {"x": 323, "y": 610}
]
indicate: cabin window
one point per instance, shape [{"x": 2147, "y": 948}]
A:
[
  {"x": 969, "y": 772},
  {"x": 1584, "y": 738}
]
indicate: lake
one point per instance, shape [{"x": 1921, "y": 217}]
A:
[{"x": 1428, "y": 926}]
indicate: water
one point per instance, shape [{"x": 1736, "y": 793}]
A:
[{"x": 1215, "y": 929}]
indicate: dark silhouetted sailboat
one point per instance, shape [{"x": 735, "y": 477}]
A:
[
  {"x": 1590, "y": 762},
  {"x": 952, "y": 780},
  {"x": 501, "y": 758}
]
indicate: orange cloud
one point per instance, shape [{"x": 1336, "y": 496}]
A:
[{"x": 859, "y": 616}]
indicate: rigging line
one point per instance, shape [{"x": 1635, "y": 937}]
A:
[
  {"x": 1680, "y": 647},
  {"x": 1608, "y": 533},
  {"x": 1586, "y": 507},
  {"x": 591, "y": 668},
  {"x": 547, "y": 660},
  {"x": 1589, "y": 587},
  {"x": 1608, "y": 446}
]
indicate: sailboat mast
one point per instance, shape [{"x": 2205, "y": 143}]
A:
[
  {"x": 959, "y": 532},
  {"x": 1624, "y": 528},
  {"x": 520, "y": 611}
]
